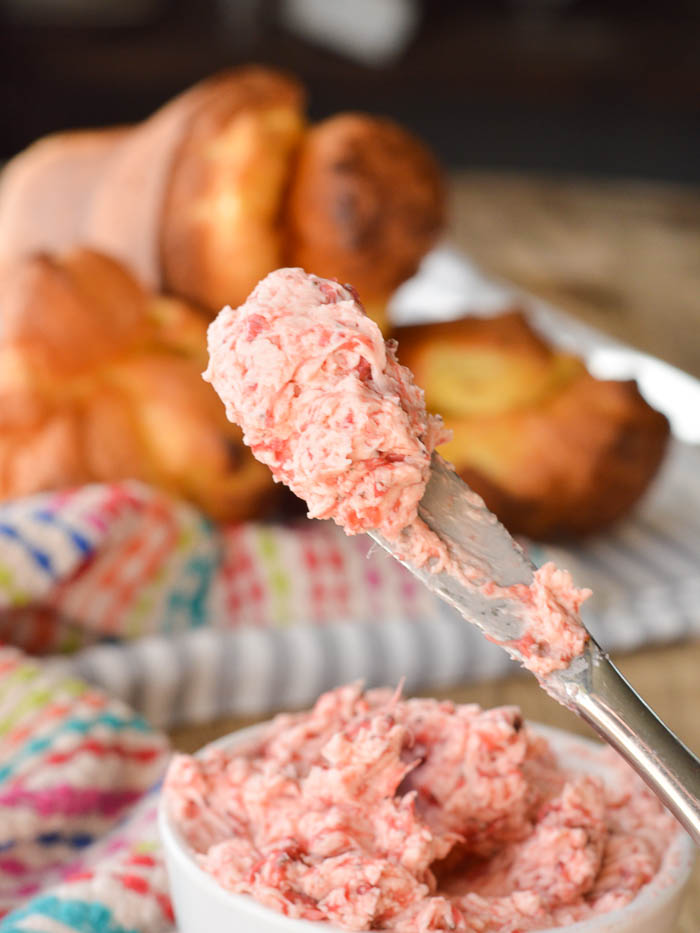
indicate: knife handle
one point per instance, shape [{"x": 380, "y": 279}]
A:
[{"x": 623, "y": 719}]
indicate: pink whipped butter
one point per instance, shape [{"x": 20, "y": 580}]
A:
[
  {"x": 551, "y": 605},
  {"x": 322, "y": 400},
  {"x": 371, "y": 812}
]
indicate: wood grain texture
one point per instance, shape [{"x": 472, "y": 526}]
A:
[
  {"x": 622, "y": 256},
  {"x": 625, "y": 258}
]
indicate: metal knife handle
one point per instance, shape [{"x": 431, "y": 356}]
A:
[
  {"x": 590, "y": 685},
  {"x": 618, "y": 713}
]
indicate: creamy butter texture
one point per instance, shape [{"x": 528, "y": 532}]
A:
[
  {"x": 324, "y": 403},
  {"x": 374, "y": 813}
]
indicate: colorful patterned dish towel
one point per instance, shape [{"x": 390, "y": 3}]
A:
[
  {"x": 140, "y": 595},
  {"x": 78, "y": 781}
]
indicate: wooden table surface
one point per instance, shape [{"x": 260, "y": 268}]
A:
[{"x": 625, "y": 258}]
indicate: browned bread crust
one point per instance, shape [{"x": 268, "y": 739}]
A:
[
  {"x": 220, "y": 231},
  {"x": 100, "y": 381},
  {"x": 366, "y": 203},
  {"x": 46, "y": 190},
  {"x": 193, "y": 200},
  {"x": 553, "y": 451}
]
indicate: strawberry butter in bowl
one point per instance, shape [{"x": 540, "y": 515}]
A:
[{"x": 371, "y": 812}]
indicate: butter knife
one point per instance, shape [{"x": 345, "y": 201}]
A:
[{"x": 591, "y": 685}]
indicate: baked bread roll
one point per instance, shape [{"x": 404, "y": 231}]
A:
[
  {"x": 366, "y": 202},
  {"x": 553, "y": 451},
  {"x": 100, "y": 381},
  {"x": 220, "y": 231},
  {"x": 193, "y": 201},
  {"x": 46, "y": 191},
  {"x": 188, "y": 200}
]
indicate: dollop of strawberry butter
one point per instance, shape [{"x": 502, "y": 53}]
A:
[
  {"x": 375, "y": 813},
  {"x": 323, "y": 401}
]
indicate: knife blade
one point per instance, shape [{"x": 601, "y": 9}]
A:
[{"x": 590, "y": 685}]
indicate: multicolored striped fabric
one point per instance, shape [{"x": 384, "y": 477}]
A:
[
  {"x": 78, "y": 846},
  {"x": 122, "y": 561},
  {"x": 142, "y": 596},
  {"x": 118, "y": 885}
]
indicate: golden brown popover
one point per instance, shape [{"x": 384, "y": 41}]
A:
[
  {"x": 100, "y": 381},
  {"x": 223, "y": 184},
  {"x": 366, "y": 202},
  {"x": 553, "y": 451}
]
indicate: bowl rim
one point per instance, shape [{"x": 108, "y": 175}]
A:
[{"x": 672, "y": 876}]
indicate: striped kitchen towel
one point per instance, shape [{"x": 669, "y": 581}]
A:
[
  {"x": 141, "y": 595},
  {"x": 78, "y": 772}
]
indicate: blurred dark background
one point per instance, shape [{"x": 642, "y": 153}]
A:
[{"x": 601, "y": 87}]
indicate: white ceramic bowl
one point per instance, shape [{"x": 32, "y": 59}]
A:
[{"x": 201, "y": 904}]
